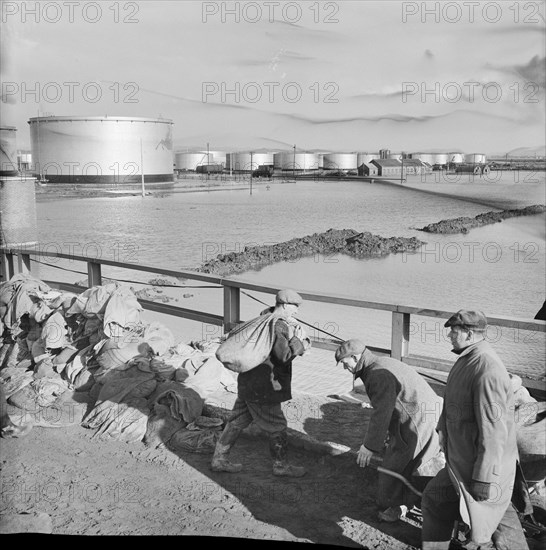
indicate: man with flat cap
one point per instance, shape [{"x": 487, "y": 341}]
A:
[
  {"x": 259, "y": 400},
  {"x": 406, "y": 410},
  {"x": 478, "y": 434}
]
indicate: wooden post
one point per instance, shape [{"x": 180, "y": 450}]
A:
[
  {"x": 400, "y": 335},
  {"x": 8, "y": 268},
  {"x": 23, "y": 263},
  {"x": 94, "y": 277},
  {"x": 232, "y": 307}
]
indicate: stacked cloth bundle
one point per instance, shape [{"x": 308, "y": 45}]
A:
[{"x": 131, "y": 375}]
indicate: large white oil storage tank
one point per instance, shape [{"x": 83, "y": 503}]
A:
[
  {"x": 247, "y": 161},
  {"x": 102, "y": 149},
  {"x": 190, "y": 160},
  {"x": 365, "y": 158},
  {"x": 8, "y": 151},
  {"x": 456, "y": 158},
  {"x": 340, "y": 161},
  {"x": 440, "y": 158},
  {"x": 290, "y": 160},
  {"x": 475, "y": 158}
]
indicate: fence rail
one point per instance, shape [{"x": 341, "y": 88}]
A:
[{"x": 18, "y": 260}]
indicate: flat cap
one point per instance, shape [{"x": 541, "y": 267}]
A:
[
  {"x": 288, "y": 296},
  {"x": 348, "y": 348},
  {"x": 467, "y": 318}
]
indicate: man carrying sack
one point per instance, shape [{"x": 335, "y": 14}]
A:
[{"x": 262, "y": 389}]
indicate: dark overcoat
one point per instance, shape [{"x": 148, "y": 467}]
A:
[{"x": 407, "y": 409}]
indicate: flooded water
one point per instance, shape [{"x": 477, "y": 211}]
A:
[{"x": 498, "y": 268}]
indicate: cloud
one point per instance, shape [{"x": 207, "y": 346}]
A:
[
  {"x": 534, "y": 71},
  {"x": 396, "y": 117}
]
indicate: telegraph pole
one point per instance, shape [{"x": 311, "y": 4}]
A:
[{"x": 251, "y": 170}]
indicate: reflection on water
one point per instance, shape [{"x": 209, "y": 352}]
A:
[{"x": 498, "y": 268}]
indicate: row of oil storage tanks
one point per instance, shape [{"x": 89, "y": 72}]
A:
[
  {"x": 125, "y": 150},
  {"x": 219, "y": 161}
]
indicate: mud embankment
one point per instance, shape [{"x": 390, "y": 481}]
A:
[
  {"x": 334, "y": 241},
  {"x": 465, "y": 224}
]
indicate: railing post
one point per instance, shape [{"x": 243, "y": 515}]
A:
[
  {"x": 8, "y": 267},
  {"x": 232, "y": 307},
  {"x": 400, "y": 335},
  {"x": 94, "y": 277},
  {"x": 23, "y": 263}
]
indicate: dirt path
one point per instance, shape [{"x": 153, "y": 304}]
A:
[{"x": 105, "y": 487}]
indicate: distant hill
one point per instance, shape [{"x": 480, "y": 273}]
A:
[{"x": 539, "y": 151}]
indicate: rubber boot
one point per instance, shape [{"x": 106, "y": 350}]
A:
[
  {"x": 278, "y": 445},
  {"x": 220, "y": 462}
]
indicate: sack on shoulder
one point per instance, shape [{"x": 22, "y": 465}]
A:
[{"x": 248, "y": 344}]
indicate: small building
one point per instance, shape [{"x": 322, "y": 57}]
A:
[
  {"x": 367, "y": 169},
  {"x": 416, "y": 166},
  {"x": 388, "y": 167}
]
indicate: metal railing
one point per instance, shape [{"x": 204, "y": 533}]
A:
[{"x": 18, "y": 260}]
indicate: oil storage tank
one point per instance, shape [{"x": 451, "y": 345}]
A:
[
  {"x": 247, "y": 161},
  {"x": 366, "y": 158},
  {"x": 475, "y": 158},
  {"x": 102, "y": 150},
  {"x": 8, "y": 151},
  {"x": 340, "y": 161},
  {"x": 394, "y": 156},
  {"x": 218, "y": 158},
  {"x": 190, "y": 160},
  {"x": 18, "y": 220},
  {"x": 440, "y": 158},
  {"x": 456, "y": 158},
  {"x": 429, "y": 158},
  {"x": 290, "y": 160}
]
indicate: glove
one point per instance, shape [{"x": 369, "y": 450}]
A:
[
  {"x": 299, "y": 332},
  {"x": 480, "y": 490},
  {"x": 364, "y": 456}
]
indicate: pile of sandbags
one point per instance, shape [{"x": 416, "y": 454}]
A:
[{"x": 140, "y": 385}]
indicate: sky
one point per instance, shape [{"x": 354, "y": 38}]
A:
[{"x": 322, "y": 76}]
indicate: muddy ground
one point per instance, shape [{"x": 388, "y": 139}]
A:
[{"x": 91, "y": 486}]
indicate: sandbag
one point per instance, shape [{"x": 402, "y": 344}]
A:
[
  {"x": 125, "y": 421},
  {"x": 111, "y": 356},
  {"x": 248, "y": 344},
  {"x": 195, "y": 441},
  {"x": 161, "y": 426},
  {"x": 209, "y": 378}
]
